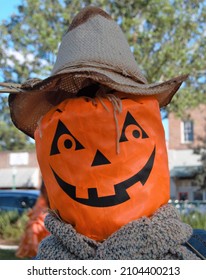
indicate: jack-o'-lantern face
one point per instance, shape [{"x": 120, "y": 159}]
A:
[{"x": 92, "y": 186}]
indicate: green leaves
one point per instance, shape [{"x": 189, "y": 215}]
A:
[{"x": 12, "y": 139}]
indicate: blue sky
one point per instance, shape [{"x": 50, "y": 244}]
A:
[{"x": 8, "y": 7}]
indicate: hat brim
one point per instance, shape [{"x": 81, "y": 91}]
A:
[{"x": 32, "y": 102}]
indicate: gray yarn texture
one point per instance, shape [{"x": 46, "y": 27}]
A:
[{"x": 160, "y": 237}]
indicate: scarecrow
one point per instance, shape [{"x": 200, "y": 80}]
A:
[
  {"x": 35, "y": 230},
  {"x": 101, "y": 148}
]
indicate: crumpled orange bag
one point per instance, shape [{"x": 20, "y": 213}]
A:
[{"x": 103, "y": 164}]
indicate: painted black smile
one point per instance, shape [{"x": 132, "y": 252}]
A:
[{"x": 120, "y": 195}]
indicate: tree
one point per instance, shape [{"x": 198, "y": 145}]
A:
[
  {"x": 200, "y": 176},
  {"x": 167, "y": 38},
  {"x": 10, "y": 137}
]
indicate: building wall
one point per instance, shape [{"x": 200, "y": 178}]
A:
[
  {"x": 8, "y": 159},
  {"x": 198, "y": 115},
  {"x": 181, "y": 155},
  {"x": 19, "y": 170}
]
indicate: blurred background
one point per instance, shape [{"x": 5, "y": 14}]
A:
[{"x": 168, "y": 38}]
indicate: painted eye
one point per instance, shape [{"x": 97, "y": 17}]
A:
[
  {"x": 68, "y": 144},
  {"x": 136, "y": 133},
  {"x": 64, "y": 138},
  {"x": 136, "y": 130}
]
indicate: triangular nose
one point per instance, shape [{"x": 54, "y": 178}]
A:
[{"x": 100, "y": 159}]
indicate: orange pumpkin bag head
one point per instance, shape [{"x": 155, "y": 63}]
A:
[{"x": 103, "y": 168}]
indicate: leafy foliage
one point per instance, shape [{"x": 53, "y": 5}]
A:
[
  {"x": 196, "y": 220},
  {"x": 167, "y": 38},
  {"x": 12, "y": 225}
]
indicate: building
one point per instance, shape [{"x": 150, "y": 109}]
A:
[
  {"x": 19, "y": 170},
  {"x": 184, "y": 135}
]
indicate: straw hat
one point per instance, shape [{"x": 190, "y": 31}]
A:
[{"x": 93, "y": 51}]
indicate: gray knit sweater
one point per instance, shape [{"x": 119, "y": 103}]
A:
[{"x": 155, "y": 238}]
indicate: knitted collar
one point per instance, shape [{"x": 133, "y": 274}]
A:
[{"x": 158, "y": 237}]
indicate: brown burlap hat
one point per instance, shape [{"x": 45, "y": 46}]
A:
[{"x": 94, "y": 50}]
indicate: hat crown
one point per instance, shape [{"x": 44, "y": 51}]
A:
[{"x": 97, "y": 40}]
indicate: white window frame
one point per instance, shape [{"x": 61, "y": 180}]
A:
[{"x": 183, "y": 140}]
